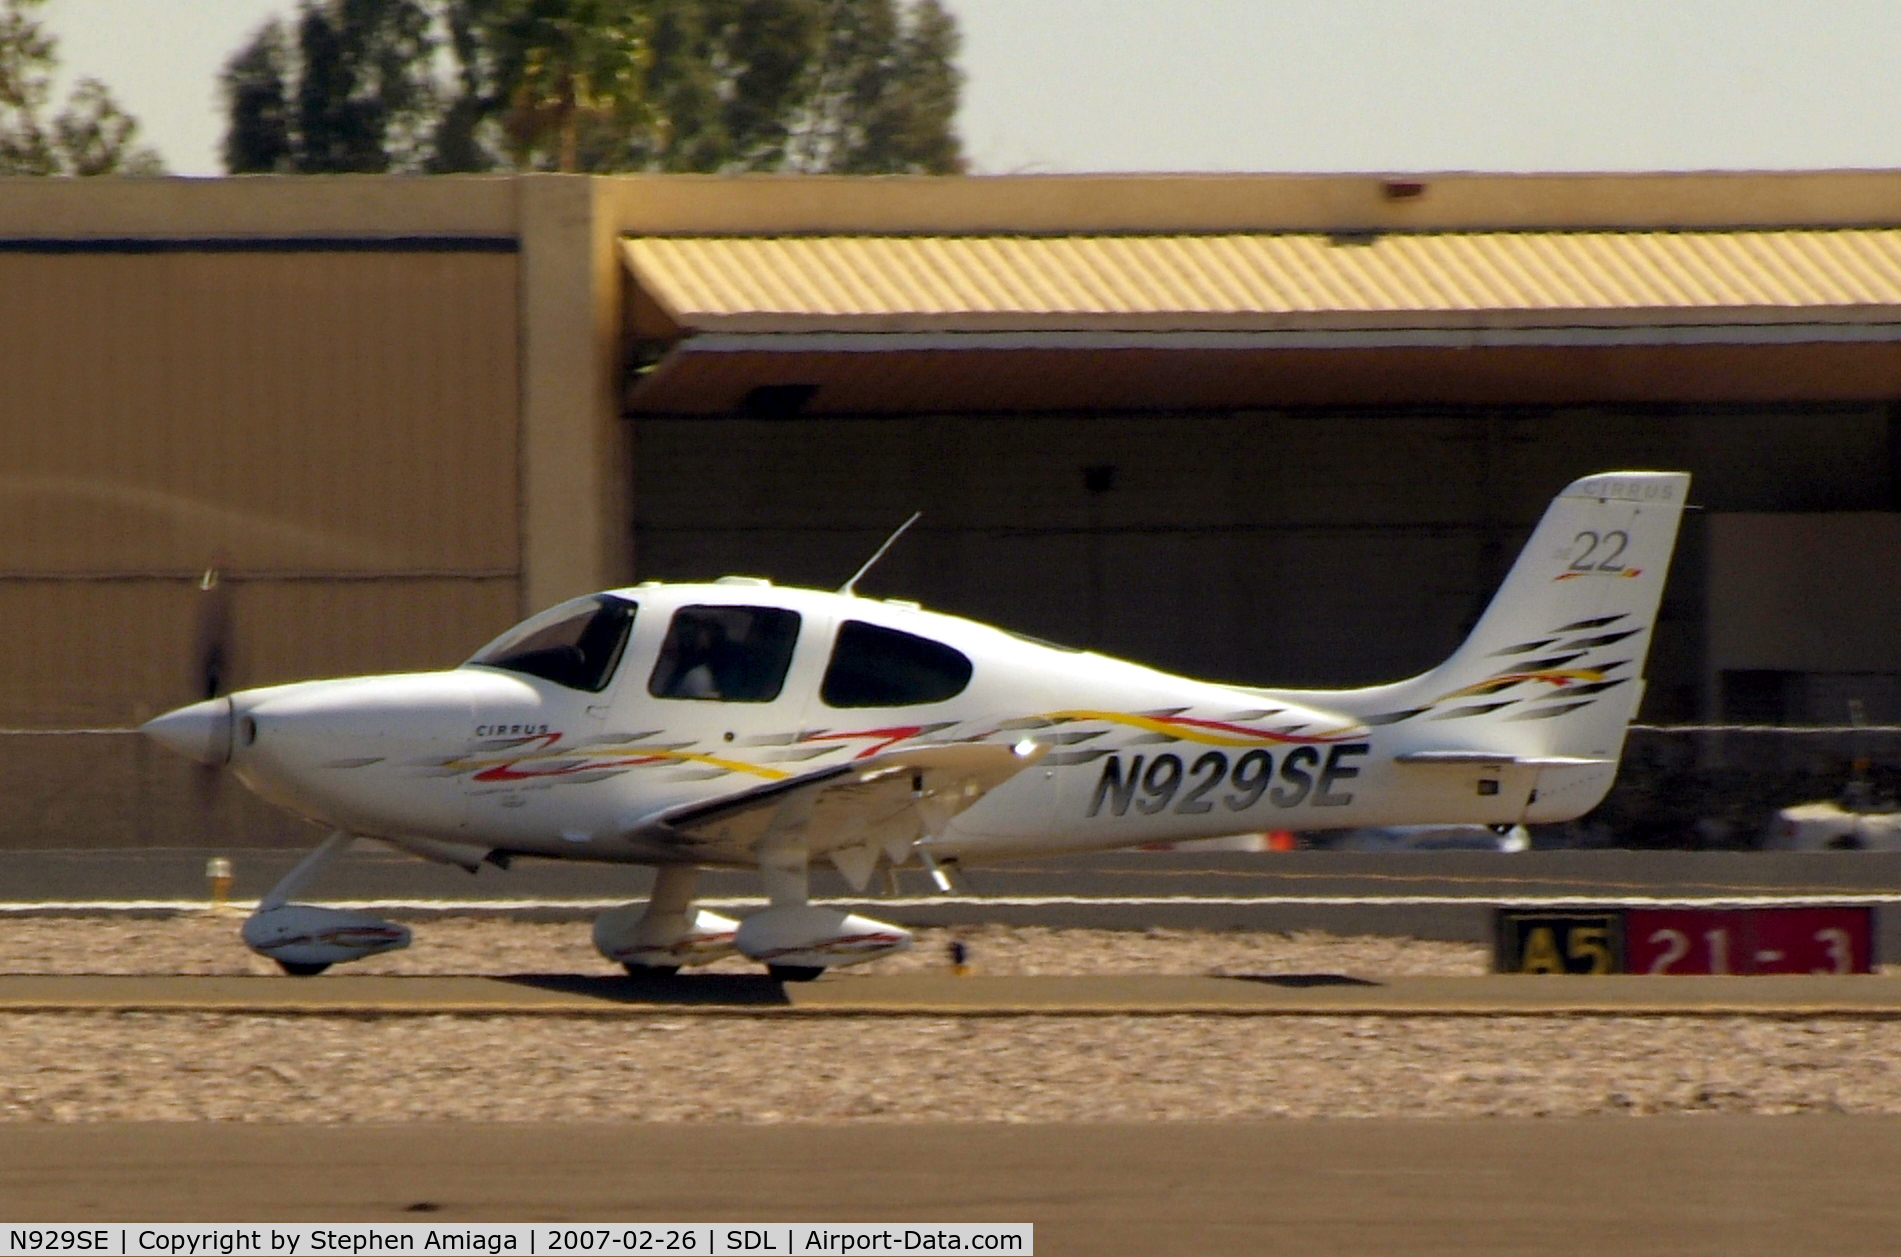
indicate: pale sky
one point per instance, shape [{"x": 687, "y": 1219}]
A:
[{"x": 1274, "y": 85}]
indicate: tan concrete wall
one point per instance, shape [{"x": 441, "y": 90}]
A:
[
  {"x": 111, "y": 653},
  {"x": 120, "y": 790},
  {"x": 706, "y": 204},
  {"x": 258, "y": 372},
  {"x": 308, "y": 411},
  {"x": 259, "y": 205},
  {"x": 294, "y": 417},
  {"x": 554, "y": 499},
  {"x": 1034, "y": 204},
  {"x": 574, "y": 532}
]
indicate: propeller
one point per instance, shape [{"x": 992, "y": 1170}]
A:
[
  {"x": 211, "y": 670},
  {"x": 211, "y": 641}
]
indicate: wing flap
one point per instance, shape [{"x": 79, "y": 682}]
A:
[{"x": 890, "y": 800}]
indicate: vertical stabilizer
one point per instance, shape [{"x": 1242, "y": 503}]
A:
[{"x": 1554, "y": 669}]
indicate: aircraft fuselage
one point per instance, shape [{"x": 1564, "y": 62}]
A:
[{"x": 489, "y": 758}]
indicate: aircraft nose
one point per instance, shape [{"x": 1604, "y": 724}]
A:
[{"x": 201, "y": 731}]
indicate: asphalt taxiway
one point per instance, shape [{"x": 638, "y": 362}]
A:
[
  {"x": 850, "y": 995},
  {"x": 1690, "y": 1187},
  {"x": 1432, "y": 895}
]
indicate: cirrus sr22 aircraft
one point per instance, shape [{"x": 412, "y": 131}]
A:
[{"x": 739, "y": 724}]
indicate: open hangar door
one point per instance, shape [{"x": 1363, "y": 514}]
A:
[
  {"x": 1298, "y": 547},
  {"x": 1221, "y": 480}
]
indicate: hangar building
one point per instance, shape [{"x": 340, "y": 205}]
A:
[{"x": 1271, "y": 429}]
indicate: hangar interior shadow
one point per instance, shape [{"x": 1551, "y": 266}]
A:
[{"x": 1312, "y": 547}]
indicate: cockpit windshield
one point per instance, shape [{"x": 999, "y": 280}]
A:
[{"x": 577, "y": 644}]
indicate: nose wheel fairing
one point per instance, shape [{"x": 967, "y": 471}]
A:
[{"x": 305, "y": 939}]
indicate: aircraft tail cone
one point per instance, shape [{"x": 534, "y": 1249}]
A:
[{"x": 201, "y": 731}]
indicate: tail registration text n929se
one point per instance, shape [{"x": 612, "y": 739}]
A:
[{"x": 739, "y": 724}]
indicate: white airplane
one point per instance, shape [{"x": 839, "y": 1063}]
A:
[{"x": 740, "y": 724}]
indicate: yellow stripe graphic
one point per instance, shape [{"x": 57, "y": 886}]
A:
[{"x": 1195, "y": 733}]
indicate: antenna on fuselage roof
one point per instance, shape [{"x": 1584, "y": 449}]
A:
[{"x": 859, "y": 575}]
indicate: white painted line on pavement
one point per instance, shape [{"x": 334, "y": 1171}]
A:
[{"x": 22, "y": 907}]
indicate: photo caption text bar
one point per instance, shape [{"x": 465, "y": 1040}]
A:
[{"x": 638, "y": 1239}]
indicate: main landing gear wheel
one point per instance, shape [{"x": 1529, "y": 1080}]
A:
[
  {"x": 649, "y": 971},
  {"x": 298, "y": 969},
  {"x": 794, "y": 973}
]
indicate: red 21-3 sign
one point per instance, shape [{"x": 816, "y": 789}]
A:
[{"x": 1749, "y": 940}]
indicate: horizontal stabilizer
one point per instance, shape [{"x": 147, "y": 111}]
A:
[{"x": 1467, "y": 758}]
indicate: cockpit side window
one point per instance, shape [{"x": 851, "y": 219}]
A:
[
  {"x": 577, "y": 644},
  {"x": 880, "y": 667},
  {"x": 726, "y": 654}
]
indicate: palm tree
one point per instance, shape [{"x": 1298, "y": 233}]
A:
[{"x": 568, "y": 62}]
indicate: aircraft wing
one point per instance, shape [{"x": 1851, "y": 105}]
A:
[{"x": 851, "y": 811}]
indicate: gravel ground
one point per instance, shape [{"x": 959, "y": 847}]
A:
[
  {"x": 201, "y": 943},
  {"x": 143, "y": 1066},
  {"x": 146, "y": 1067}
]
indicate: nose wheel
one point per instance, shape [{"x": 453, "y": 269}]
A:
[
  {"x": 794, "y": 973},
  {"x": 306, "y": 939},
  {"x": 650, "y": 971}
]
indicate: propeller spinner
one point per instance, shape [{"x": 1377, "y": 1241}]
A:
[{"x": 203, "y": 730}]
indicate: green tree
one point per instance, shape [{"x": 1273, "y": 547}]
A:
[
  {"x": 684, "y": 90},
  {"x": 909, "y": 127},
  {"x": 463, "y": 139},
  {"x": 562, "y": 65},
  {"x": 508, "y": 109},
  {"x": 92, "y": 135},
  {"x": 356, "y": 92},
  {"x": 855, "y": 86},
  {"x": 885, "y": 92},
  {"x": 772, "y": 51},
  {"x": 256, "y": 92}
]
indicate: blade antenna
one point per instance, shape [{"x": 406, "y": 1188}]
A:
[{"x": 859, "y": 575}]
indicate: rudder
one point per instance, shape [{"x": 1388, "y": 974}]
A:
[{"x": 1554, "y": 668}]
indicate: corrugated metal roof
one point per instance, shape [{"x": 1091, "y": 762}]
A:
[{"x": 973, "y": 283}]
